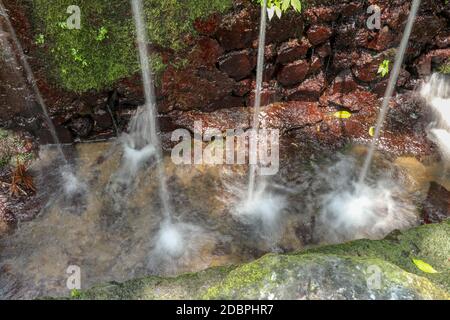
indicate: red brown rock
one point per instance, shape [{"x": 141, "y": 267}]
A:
[
  {"x": 383, "y": 40},
  {"x": 205, "y": 53},
  {"x": 237, "y": 64},
  {"x": 291, "y": 115},
  {"x": 309, "y": 90},
  {"x": 237, "y": 30},
  {"x": 270, "y": 93},
  {"x": 425, "y": 63},
  {"x": 293, "y": 50},
  {"x": 290, "y": 26},
  {"x": 293, "y": 73},
  {"x": 242, "y": 87},
  {"x": 194, "y": 88},
  {"x": 318, "y": 34},
  {"x": 353, "y": 101},
  {"x": 322, "y": 14}
]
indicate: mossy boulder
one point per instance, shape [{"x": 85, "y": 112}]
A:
[
  {"x": 103, "y": 50},
  {"x": 361, "y": 269}
]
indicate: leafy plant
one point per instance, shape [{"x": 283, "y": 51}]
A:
[
  {"x": 40, "y": 39},
  {"x": 102, "y": 34},
  {"x": 78, "y": 57},
  {"x": 74, "y": 293},
  {"x": 277, "y": 7},
  {"x": 21, "y": 179},
  {"x": 383, "y": 69}
]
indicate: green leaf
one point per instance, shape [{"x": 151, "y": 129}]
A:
[
  {"x": 297, "y": 5},
  {"x": 342, "y": 114},
  {"x": 285, "y": 5},
  {"x": 278, "y": 12},
  {"x": 423, "y": 266}
]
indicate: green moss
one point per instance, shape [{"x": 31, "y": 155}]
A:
[
  {"x": 12, "y": 149},
  {"x": 445, "y": 68},
  {"x": 310, "y": 273},
  {"x": 430, "y": 243},
  {"x": 103, "y": 50}
]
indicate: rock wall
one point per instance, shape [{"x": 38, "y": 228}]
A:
[{"x": 318, "y": 62}]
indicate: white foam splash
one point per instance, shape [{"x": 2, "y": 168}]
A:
[
  {"x": 352, "y": 210},
  {"x": 436, "y": 93},
  {"x": 170, "y": 240}
]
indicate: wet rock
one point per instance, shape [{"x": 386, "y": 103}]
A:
[
  {"x": 293, "y": 50},
  {"x": 195, "y": 88},
  {"x": 324, "y": 50},
  {"x": 293, "y": 73},
  {"x": 269, "y": 72},
  {"x": 318, "y": 34},
  {"x": 64, "y": 135},
  {"x": 290, "y": 26},
  {"x": 344, "y": 59},
  {"x": 426, "y": 28},
  {"x": 270, "y": 93},
  {"x": 380, "y": 87},
  {"x": 207, "y": 26},
  {"x": 366, "y": 68},
  {"x": 82, "y": 126},
  {"x": 238, "y": 64},
  {"x": 443, "y": 40},
  {"x": 322, "y": 14},
  {"x": 242, "y": 87},
  {"x": 226, "y": 102},
  {"x": 291, "y": 115},
  {"x": 383, "y": 40},
  {"x": 309, "y": 90},
  {"x": 353, "y": 101},
  {"x": 223, "y": 119},
  {"x": 425, "y": 64},
  {"x": 205, "y": 53},
  {"x": 270, "y": 52},
  {"x": 102, "y": 119},
  {"x": 237, "y": 29},
  {"x": 350, "y": 36},
  {"x": 343, "y": 83},
  {"x": 316, "y": 64},
  {"x": 437, "y": 204}
]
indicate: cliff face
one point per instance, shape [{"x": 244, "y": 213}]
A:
[
  {"x": 320, "y": 61},
  {"x": 344, "y": 271}
]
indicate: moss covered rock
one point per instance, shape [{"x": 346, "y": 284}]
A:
[
  {"x": 103, "y": 49},
  {"x": 361, "y": 269}
]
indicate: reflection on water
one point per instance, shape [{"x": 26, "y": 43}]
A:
[{"x": 113, "y": 231}]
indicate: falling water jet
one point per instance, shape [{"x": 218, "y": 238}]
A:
[
  {"x": 436, "y": 93},
  {"x": 257, "y": 105},
  {"x": 170, "y": 239},
  {"x": 150, "y": 102},
  {"x": 260, "y": 207},
  {"x": 390, "y": 89},
  {"x": 71, "y": 183}
]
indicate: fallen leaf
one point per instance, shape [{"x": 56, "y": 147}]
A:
[
  {"x": 423, "y": 266},
  {"x": 342, "y": 114}
]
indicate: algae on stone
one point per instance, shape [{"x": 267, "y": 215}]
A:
[
  {"x": 103, "y": 50},
  {"x": 342, "y": 271}
]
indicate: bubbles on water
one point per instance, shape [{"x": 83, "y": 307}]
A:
[{"x": 352, "y": 210}]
